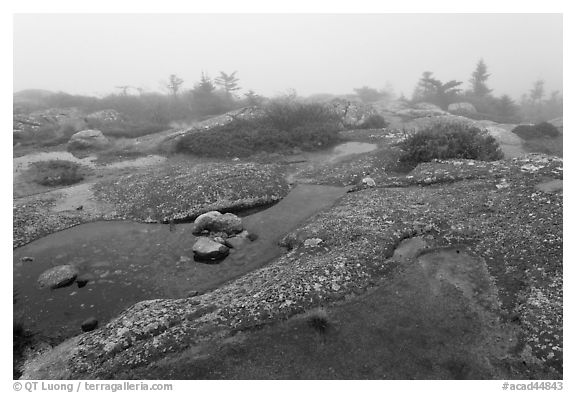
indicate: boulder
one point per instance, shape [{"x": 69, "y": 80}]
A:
[
  {"x": 462, "y": 108},
  {"x": 208, "y": 249},
  {"x": 215, "y": 221},
  {"x": 59, "y": 276},
  {"x": 88, "y": 139}
]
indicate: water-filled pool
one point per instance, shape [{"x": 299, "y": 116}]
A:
[{"x": 129, "y": 262}]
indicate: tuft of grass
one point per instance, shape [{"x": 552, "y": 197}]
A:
[
  {"x": 541, "y": 130},
  {"x": 55, "y": 173},
  {"x": 449, "y": 141}
]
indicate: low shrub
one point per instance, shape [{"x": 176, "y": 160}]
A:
[
  {"x": 541, "y": 130},
  {"x": 56, "y": 173},
  {"x": 283, "y": 128},
  {"x": 373, "y": 121},
  {"x": 287, "y": 114},
  {"x": 125, "y": 129},
  {"x": 446, "y": 141}
]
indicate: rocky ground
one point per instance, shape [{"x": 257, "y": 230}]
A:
[{"x": 453, "y": 270}]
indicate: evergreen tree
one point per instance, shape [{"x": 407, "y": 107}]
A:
[
  {"x": 506, "y": 109},
  {"x": 478, "y": 80},
  {"x": 228, "y": 82},
  {"x": 173, "y": 84},
  {"x": 432, "y": 90},
  {"x": 537, "y": 92}
]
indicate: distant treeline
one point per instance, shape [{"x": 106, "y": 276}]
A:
[
  {"x": 210, "y": 97},
  {"x": 534, "y": 106}
]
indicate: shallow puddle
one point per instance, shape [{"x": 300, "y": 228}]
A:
[
  {"x": 129, "y": 262},
  {"x": 341, "y": 151},
  {"x": 551, "y": 186}
]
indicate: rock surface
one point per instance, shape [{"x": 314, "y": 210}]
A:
[
  {"x": 59, "y": 276},
  {"x": 452, "y": 202},
  {"x": 210, "y": 250},
  {"x": 215, "y": 221},
  {"x": 88, "y": 139}
]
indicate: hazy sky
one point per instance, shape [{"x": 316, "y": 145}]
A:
[{"x": 311, "y": 53}]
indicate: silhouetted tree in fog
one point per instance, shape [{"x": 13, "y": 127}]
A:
[
  {"x": 478, "y": 80},
  {"x": 228, "y": 82},
  {"x": 369, "y": 94},
  {"x": 173, "y": 84},
  {"x": 506, "y": 110},
  {"x": 434, "y": 91},
  {"x": 537, "y": 92}
]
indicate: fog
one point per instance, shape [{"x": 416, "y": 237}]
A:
[{"x": 93, "y": 54}]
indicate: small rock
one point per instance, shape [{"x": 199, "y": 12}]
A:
[
  {"x": 314, "y": 242},
  {"x": 88, "y": 139},
  {"x": 238, "y": 240},
  {"x": 89, "y": 324},
  {"x": 59, "y": 276},
  {"x": 192, "y": 294},
  {"x": 208, "y": 249},
  {"x": 27, "y": 259},
  {"x": 84, "y": 279},
  {"x": 220, "y": 240}
]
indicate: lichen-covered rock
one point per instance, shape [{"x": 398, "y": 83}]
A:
[
  {"x": 515, "y": 230},
  {"x": 59, "y": 276},
  {"x": 88, "y": 139},
  {"x": 215, "y": 221},
  {"x": 209, "y": 250}
]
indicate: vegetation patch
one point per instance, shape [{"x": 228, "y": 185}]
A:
[
  {"x": 125, "y": 129},
  {"x": 55, "y": 173},
  {"x": 285, "y": 125},
  {"x": 446, "y": 141},
  {"x": 541, "y": 130},
  {"x": 373, "y": 121}
]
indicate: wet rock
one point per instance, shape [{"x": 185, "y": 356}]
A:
[
  {"x": 208, "y": 249},
  {"x": 59, "y": 276},
  {"x": 220, "y": 240},
  {"x": 88, "y": 139},
  {"x": 89, "y": 324},
  {"x": 215, "y": 221},
  {"x": 238, "y": 240}
]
